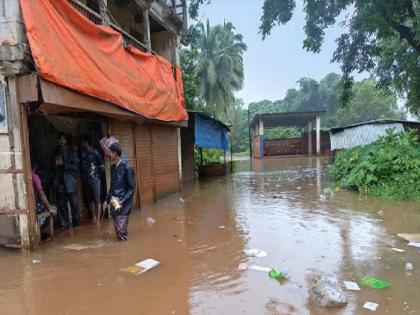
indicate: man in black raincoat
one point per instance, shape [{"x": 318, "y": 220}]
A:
[
  {"x": 66, "y": 182},
  {"x": 120, "y": 195}
]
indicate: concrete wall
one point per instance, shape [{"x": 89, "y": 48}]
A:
[{"x": 13, "y": 196}]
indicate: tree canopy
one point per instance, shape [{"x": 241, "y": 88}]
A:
[
  {"x": 213, "y": 67},
  {"x": 367, "y": 103},
  {"x": 379, "y": 36}
]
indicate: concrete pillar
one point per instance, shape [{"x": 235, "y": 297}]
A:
[
  {"x": 260, "y": 127},
  {"x": 310, "y": 138},
  {"x": 146, "y": 22},
  {"x": 261, "y": 136},
  {"x": 103, "y": 11},
  {"x": 318, "y": 134}
]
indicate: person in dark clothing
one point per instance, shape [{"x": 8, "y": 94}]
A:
[
  {"x": 92, "y": 165},
  {"x": 66, "y": 183},
  {"x": 120, "y": 195}
]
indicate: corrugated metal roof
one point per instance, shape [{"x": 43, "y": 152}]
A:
[
  {"x": 378, "y": 121},
  {"x": 362, "y": 134}
]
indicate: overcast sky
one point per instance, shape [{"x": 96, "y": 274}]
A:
[{"x": 274, "y": 65}]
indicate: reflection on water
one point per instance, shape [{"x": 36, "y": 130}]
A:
[{"x": 272, "y": 204}]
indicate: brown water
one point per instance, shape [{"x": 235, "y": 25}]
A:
[{"x": 273, "y": 205}]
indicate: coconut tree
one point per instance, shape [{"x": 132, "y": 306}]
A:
[{"x": 220, "y": 68}]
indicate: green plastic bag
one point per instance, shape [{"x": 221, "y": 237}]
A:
[
  {"x": 276, "y": 274},
  {"x": 374, "y": 283}
]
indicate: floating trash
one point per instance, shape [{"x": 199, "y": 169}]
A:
[
  {"x": 409, "y": 268},
  {"x": 398, "y": 250},
  {"x": 326, "y": 291},
  {"x": 150, "y": 221},
  {"x": 370, "y": 306},
  {"x": 276, "y": 274},
  {"x": 142, "y": 266},
  {"x": 374, "y": 283},
  {"x": 243, "y": 266},
  {"x": 411, "y": 238},
  {"x": 254, "y": 252},
  {"x": 36, "y": 261},
  {"x": 417, "y": 245},
  {"x": 259, "y": 268},
  {"x": 352, "y": 286}
]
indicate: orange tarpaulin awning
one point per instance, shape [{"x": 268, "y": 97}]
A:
[{"x": 71, "y": 51}]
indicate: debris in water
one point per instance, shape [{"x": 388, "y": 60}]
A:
[
  {"x": 326, "y": 291},
  {"x": 276, "y": 274},
  {"x": 181, "y": 200},
  {"x": 36, "y": 261},
  {"x": 77, "y": 247},
  {"x": 254, "y": 252},
  {"x": 221, "y": 227},
  {"x": 398, "y": 250},
  {"x": 243, "y": 266},
  {"x": 417, "y": 244},
  {"x": 352, "y": 286},
  {"x": 374, "y": 283},
  {"x": 322, "y": 197},
  {"x": 259, "y": 268},
  {"x": 299, "y": 188},
  {"x": 411, "y": 238},
  {"x": 150, "y": 221},
  {"x": 409, "y": 268},
  {"x": 380, "y": 212},
  {"x": 370, "y": 306},
  {"x": 141, "y": 266}
]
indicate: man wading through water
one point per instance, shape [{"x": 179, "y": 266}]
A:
[{"x": 120, "y": 195}]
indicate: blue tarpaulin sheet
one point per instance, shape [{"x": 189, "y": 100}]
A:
[{"x": 210, "y": 134}]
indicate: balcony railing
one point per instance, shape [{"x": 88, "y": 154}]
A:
[
  {"x": 96, "y": 18},
  {"x": 179, "y": 10},
  {"x": 92, "y": 15}
]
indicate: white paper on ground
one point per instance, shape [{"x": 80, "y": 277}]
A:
[
  {"x": 414, "y": 244},
  {"x": 350, "y": 285},
  {"x": 370, "y": 306},
  {"x": 398, "y": 250},
  {"x": 259, "y": 268},
  {"x": 147, "y": 264},
  {"x": 254, "y": 252}
]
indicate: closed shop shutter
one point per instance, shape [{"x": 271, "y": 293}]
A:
[
  {"x": 144, "y": 164},
  {"x": 165, "y": 160},
  {"x": 124, "y": 132}
]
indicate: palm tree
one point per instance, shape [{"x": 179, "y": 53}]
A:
[{"x": 220, "y": 68}]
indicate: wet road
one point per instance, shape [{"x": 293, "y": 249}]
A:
[{"x": 273, "y": 205}]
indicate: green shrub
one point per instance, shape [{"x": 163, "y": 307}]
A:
[{"x": 389, "y": 167}]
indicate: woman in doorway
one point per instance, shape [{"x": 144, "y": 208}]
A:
[{"x": 120, "y": 195}]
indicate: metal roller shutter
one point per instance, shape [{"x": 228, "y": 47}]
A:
[
  {"x": 124, "y": 132},
  {"x": 144, "y": 164},
  {"x": 165, "y": 160}
]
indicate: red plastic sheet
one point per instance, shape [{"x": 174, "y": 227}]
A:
[{"x": 71, "y": 51}]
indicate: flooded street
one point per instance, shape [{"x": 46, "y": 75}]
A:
[{"x": 273, "y": 205}]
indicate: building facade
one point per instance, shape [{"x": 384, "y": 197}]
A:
[{"x": 97, "y": 67}]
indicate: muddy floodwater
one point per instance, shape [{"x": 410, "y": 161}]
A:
[{"x": 280, "y": 206}]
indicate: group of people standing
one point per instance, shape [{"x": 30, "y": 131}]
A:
[{"x": 66, "y": 164}]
